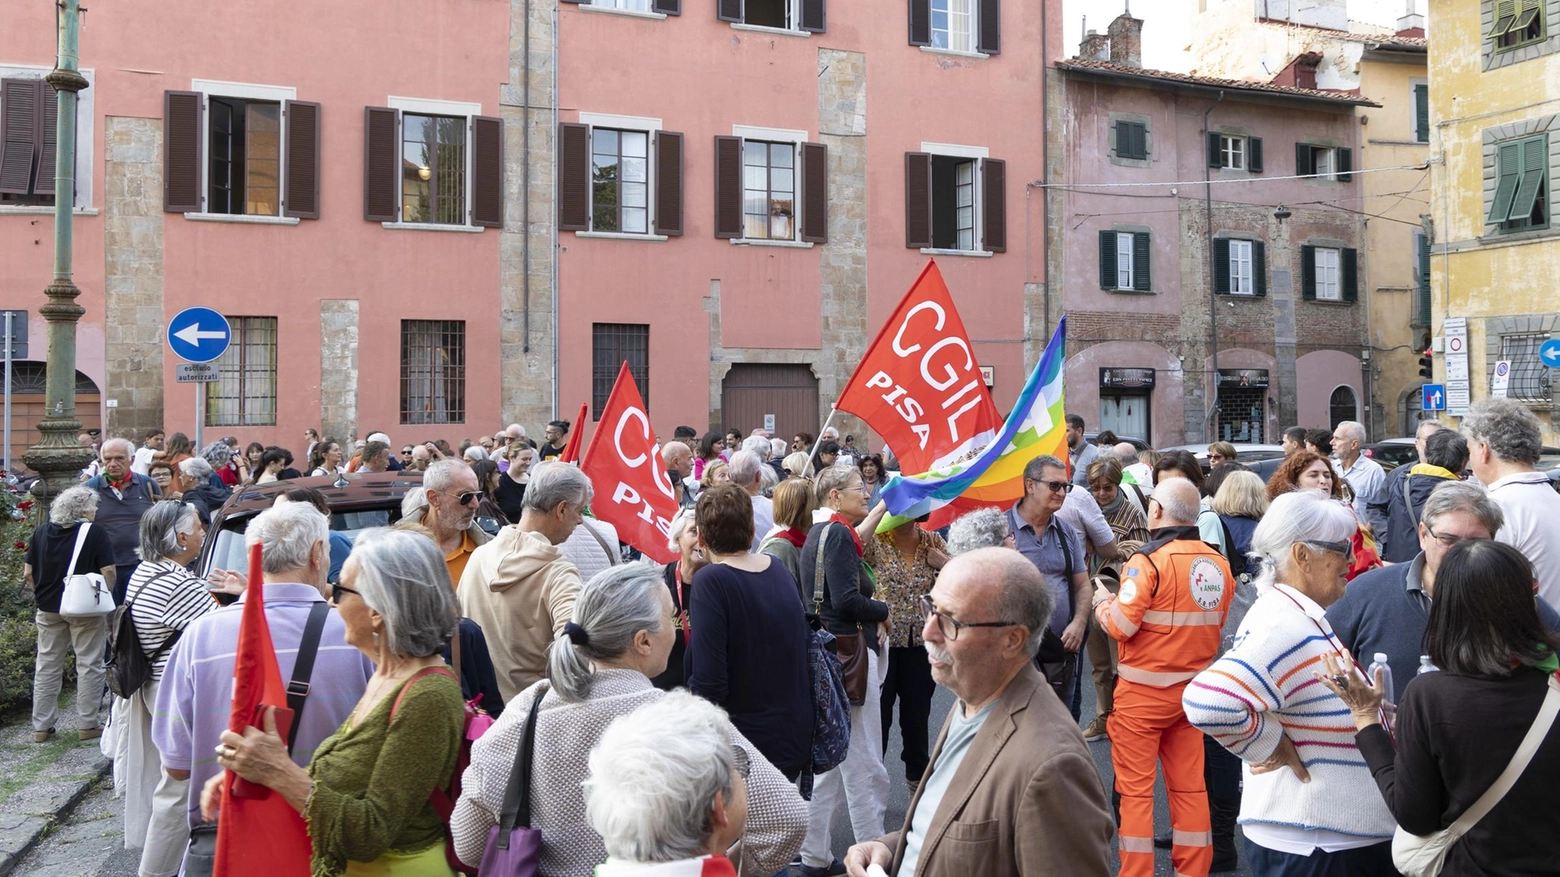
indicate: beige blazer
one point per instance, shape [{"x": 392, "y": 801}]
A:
[{"x": 1026, "y": 800}]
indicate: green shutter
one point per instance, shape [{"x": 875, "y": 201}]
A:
[
  {"x": 1508, "y": 169},
  {"x": 1530, "y": 11},
  {"x": 1254, "y": 154},
  {"x": 1534, "y": 153},
  {"x": 1214, "y": 157},
  {"x": 1422, "y": 302},
  {"x": 1305, "y": 160},
  {"x": 1422, "y": 113},
  {"x": 1259, "y": 266},
  {"x": 1343, "y": 163},
  {"x": 1140, "y": 131},
  {"x": 1505, "y": 16},
  {"x": 1140, "y": 275},
  {"x": 1349, "y": 275},
  {"x": 1107, "y": 260},
  {"x": 1308, "y": 273},
  {"x": 1221, "y": 266}
]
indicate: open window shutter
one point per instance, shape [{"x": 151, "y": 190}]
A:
[
  {"x": 990, "y": 23},
  {"x": 1505, "y": 15},
  {"x": 1534, "y": 156},
  {"x": 1349, "y": 274},
  {"x": 1343, "y": 159},
  {"x": 1140, "y": 140},
  {"x": 48, "y": 139},
  {"x": 920, "y": 22},
  {"x": 918, "y": 200},
  {"x": 381, "y": 164},
  {"x": 487, "y": 171},
  {"x": 668, "y": 7},
  {"x": 1254, "y": 154},
  {"x": 1140, "y": 275},
  {"x": 1508, "y": 170},
  {"x": 181, "y": 151},
  {"x": 1214, "y": 158},
  {"x": 815, "y": 193},
  {"x": 1305, "y": 160},
  {"x": 994, "y": 203},
  {"x": 1422, "y": 113},
  {"x": 728, "y": 187},
  {"x": 815, "y": 16},
  {"x": 573, "y": 177},
  {"x": 1221, "y": 266},
  {"x": 1259, "y": 266},
  {"x": 301, "y": 189},
  {"x": 1422, "y": 252},
  {"x": 728, "y": 10},
  {"x": 668, "y": 183},
  {"x": 19, "y": 116},
  {"x": 1107, "y": 260},
  {"x": 1308, "y": 273}
]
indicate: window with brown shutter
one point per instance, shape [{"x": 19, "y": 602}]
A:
[
  {"x": 728, "y": 187},
  {"x": 29, "y": 118},
  {"x": 808, "y": 16},
  {"x": 668, "y": 183},
  {"x": 920, "y": 12},
  {"x": 487, "y": 172},
  {"x": 574, "y": 187},
  {"x": 181, "y": 151},
  {"x": 990, "y": 25},
  {"x": 728, "y": 10},
  {"x": 381, "y": 164},
  {"x": 48, "y": 144},
  {"x": 301, "y": 191},
  {"x": 994, "y": 204},
  {"x": 814, "y": 16},
  {"x": 668, "y": 7},
  {"x": 918, "y": 200},
  {"x": 815, "y": 193}
]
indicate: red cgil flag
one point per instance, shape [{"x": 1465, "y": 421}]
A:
[
  {"x": 258, "y": 832},
  {"x": 919, "y": 386},
  {"x": 633, "y": 492},
  {"x": 571, "y": 448}
]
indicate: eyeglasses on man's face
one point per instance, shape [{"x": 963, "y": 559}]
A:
[
  {"x": 1053, "y": 486},
  {"x": 465, "y": 498},
  {"x": 1447, "y": 540},
  {"x": 950, "y": 627}
]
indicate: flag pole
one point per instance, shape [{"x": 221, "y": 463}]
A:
[{"x": 813, "y": 452}]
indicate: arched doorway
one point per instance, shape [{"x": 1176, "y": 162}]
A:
[
  {"x": 1342, "y": 405},
  {"x": 753, "y": 392},
  {"x": 29, "y": 389}
]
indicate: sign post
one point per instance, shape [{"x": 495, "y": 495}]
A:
[
  {"x": 1501, "y": 379},
  {"x": 198, "y": 335},
  {"x": 1434, "y": 397},
  {"x": 1458, "y": 391}
]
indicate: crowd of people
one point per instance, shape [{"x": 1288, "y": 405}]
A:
[{"x": 1225, "y": 619}]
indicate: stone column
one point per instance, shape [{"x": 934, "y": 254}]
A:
[
  {"x": 338, "y": 369},
  {"x": 842, "y": 126},
  {"x": 133, "y": 274}
]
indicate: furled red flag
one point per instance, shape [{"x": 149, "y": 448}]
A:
[
  {"x": 919, "y": 386},
  {"x": 258, "y": 832},
  {"x": 633, "y": 492},
  {"x": 571, "y": 448}
]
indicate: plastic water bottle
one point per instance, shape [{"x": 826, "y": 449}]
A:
[
  {"x": 1426, "y": 667},
  {"x": 1388, "y": 696}
]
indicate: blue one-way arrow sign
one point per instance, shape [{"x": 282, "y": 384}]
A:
[
  {"x": 1434, "y": 397},
  {"x": 1549, "y": 353},
  {"x": 198, "y": 334}
]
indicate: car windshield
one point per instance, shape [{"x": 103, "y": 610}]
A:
[{"x": 229, "y": 551}]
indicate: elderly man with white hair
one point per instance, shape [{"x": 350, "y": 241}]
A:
[
  {"x": 678, "y": 459},
  {"x": 451, "y": 516},
  {"x": 123, "y": 497},
  {"x": 193, "y": 700},
  {"x": 1367, "y": 480},
  {"x": 1504, "y": 443},
  {"x": 744, "y": 470},
  {"x": 196, "y": 472}
]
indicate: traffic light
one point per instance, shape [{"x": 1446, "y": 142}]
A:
[{"x": 1426, "y": 362}]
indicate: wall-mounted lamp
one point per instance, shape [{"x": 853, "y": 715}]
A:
[
  {"x": 424, "y": 172},
  {"x": 1282, "y": 213}
]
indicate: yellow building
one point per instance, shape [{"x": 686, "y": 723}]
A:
[{"x": 1494, "y": 143}]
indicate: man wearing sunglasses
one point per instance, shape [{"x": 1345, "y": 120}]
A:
[
  {"x": 1056, "y": 549},
  {"x": 1168, "y": 615},
  {"x": 452, "y": 513}
]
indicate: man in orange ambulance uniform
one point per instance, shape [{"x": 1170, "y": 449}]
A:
[{"x": 1174, "y": 594}]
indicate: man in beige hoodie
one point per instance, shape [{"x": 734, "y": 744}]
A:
[{"x": 519, "y": 587}]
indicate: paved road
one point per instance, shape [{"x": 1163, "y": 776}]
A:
[{"x": 91, "y": 840}]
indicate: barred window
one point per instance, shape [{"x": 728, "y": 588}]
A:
[
  {"x": 433, "y": 371},
  {"x": 244, "y": 393},
  {"x": 1529, "y": 377},
  {"x": 612, "y": 344}
]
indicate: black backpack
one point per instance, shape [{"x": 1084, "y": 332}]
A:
[
  {"x": 1238, "y": 563},
  {"x": 129, "y": 668}
]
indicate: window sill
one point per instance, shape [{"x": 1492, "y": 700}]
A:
[
  {"x": 933, "y": 50},
  {"x": 759, "y": 242},
  {"x": 1130, "y": 291},
  {"x": 42, "y": 210},
  {"x": 978, "y": 254},
  {"x": 629, "y": 13},
  {"x": 242, "y": 219},
  {"x": 1516, "y": 236},
  {"x": 1242, "y": 296},
  {"x": 620, "y": 235},
  {"x": 1331, "y": 302},
  {"x": 433, "y": 226},
  {"x": 775, "y": 31}
]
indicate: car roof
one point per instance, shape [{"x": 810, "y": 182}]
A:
[
  {"x": 357, "y": 490},
  {"x": 1202, "y": 450}
]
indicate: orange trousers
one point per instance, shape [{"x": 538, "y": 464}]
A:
[{"x": 1148, "y": 725}]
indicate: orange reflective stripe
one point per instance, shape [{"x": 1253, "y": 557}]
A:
[
  {"x": 1120, "y": 619},
  {"x": 1150, "y": 677},
  {"x": 1183, "y": 619}
]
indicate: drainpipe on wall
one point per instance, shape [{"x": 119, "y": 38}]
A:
[
  {"x": 1213, "y": 301},
  {"x": 525, "y": 182},
  {"x": 1045, "y": 169},
  {"x": 556, "y": 244}
]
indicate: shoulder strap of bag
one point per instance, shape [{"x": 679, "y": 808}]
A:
[
  {"x": 1519, "y": 762},
  {"x": 613, "y": 558},
  {"x": 823, "y": 542},
  {"x": 426, "y": 671},
  {"x": 303, "y": 668},
  {"x": 1408, "y": 500},
  {"x": 516, "y": 810},
  {"x": 81, "y": 539}
]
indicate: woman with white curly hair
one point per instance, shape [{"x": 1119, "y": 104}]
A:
[{"x": 982, "y": 528}]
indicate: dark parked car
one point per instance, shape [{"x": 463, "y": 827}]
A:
[{"x": 1139, "y": 444}]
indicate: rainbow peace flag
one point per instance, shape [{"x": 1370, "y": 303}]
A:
[{"x": 994, "y": 474}]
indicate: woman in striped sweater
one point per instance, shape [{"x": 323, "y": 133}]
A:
[{"x": 1304, "y": 810}]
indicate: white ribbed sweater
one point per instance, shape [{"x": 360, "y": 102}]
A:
[{"x": 1263, "y": 688}]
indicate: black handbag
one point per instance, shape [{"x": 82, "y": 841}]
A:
[
  {"x": 850, "y": 648},
  {"x": 129, "y": 667}
]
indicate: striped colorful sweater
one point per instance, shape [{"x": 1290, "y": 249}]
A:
[{"x": 1262, "y": 689}]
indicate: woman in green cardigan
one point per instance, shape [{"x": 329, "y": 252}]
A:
[{"x": 365, "y": 794}]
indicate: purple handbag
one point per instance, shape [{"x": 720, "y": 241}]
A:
[{"x": 514, "y": 848}]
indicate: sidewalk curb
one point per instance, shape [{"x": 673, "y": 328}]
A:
[{"x": 16, "y": 843}]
